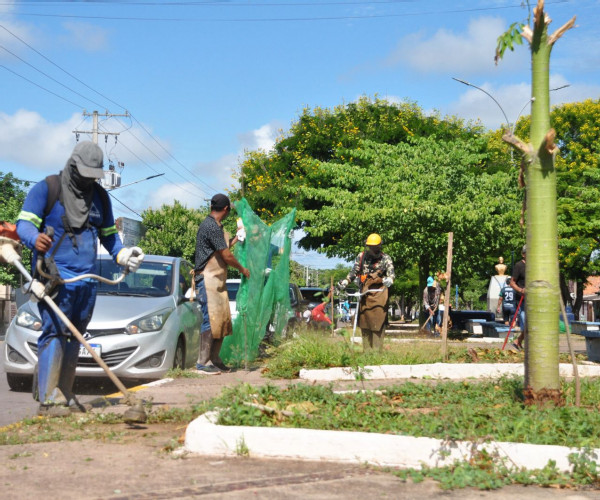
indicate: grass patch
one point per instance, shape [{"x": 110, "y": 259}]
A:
[
  {"x": 488, "y": 472},
  {"x": 318, "y": 351},
  {"x": 469, "y": 411}
]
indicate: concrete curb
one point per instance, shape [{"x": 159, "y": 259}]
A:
[
  {"x": 204, "y": 437},
  {"x": 437, "y": 371}
]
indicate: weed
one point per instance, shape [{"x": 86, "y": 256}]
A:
[{"x": 241, "y": 448}]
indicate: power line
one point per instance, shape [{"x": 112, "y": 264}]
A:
[
  {"x": 43, "y": 88},
  {"x": 103, "y": 96},
  {"x": 48, "y": 76},
  {"x": 128, "y": 208},
  {"x": 154, "y": 170},
  {"x": 279, "y": 19}
]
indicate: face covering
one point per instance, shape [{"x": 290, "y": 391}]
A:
[
  {"x": 76, "y": 195},
  {"x": 374, "y": 252}
]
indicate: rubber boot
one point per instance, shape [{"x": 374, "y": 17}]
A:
[
  {"x": 216, "y": 360},
  {"x": 204, "y": 364},
  {"x": 50, "y": 358},
  {"x": 67, "y": 375}
]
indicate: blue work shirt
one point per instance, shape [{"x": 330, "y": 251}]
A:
[{"x": 71, "y": 260}]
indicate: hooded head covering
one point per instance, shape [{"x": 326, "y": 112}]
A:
[{"x": 77, "y": 182}]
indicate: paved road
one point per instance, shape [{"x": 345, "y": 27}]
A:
[{"x": 15, "y": 406}]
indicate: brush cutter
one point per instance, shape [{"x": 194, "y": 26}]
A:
[{"x": 10, "y": 253}]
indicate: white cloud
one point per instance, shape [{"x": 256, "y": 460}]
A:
[
  {"x": 87, "y": 36},
  {"x": 29, "y": 140},
  {"x": 514, "y": 99},
  {"x": 11, "y": 31},
  {"x": 261, "y": 138},
  {"x": 186, "y": 193},
  {"x": 26, "y": 138},
  {"x": 457, "y": 53}
]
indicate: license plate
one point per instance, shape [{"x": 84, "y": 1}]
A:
[
  {"x": 83, "y": 352},
  {"x": 477, "y": 329},
  {"x": 593, "y": 328}
]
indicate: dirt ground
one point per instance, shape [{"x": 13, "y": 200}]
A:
[{"x": 93, "y": 460}]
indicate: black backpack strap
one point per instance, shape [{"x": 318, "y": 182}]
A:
[
  {"x": 105, "y": 201},
  {"x": 53, "y": 183}
]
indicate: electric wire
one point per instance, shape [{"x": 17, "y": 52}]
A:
[
  {"x": 48, "y": 76},
  {"x": 281, "y": 19},
  {"x": 43, "y": 88},
  {"x": 104, "y": 97},
  {"x": 178, "y": 186}
]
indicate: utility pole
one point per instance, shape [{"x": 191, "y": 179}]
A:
[
  {"x": 94, "y": 130},
  {"x": 111, "y": 178}
]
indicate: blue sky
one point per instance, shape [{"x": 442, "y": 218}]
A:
[{"x": 206, "y": 81}]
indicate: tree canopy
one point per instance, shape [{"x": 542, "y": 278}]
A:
[
  {"x": 374, "y": 166},
  {"x": 171, "y": 230},
  {"x": 12, "y": 194}
]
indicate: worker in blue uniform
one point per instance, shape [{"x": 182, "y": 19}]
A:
[{"x": 80, "y": 212}]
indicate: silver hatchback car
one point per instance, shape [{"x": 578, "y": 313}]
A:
[{"x": 141, "y": 327}]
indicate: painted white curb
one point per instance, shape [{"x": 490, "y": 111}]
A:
[
  {"x": 437, "y": 371},
  {"x": 206, "y": 438}
]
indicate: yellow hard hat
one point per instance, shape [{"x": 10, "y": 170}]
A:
[{"x": 373, "y": 239}]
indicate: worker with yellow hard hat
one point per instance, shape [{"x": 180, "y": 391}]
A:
[{"x": 374, "y": 272}]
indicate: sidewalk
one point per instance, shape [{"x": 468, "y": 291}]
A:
[{"x": 126, "y": 463}]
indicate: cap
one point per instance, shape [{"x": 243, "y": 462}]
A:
[
  {"x": 219, "y": 202},
  {"x": 430, "y": 281},
  {"x": 88, "y": 158},
  {"x": 524, "y": 249}
]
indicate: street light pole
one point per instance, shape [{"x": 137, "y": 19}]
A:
[{"x": 511, "y": 128}]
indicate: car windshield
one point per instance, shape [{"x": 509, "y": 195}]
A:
[
  {"x": 232, "y": 289},
  {"x": 152, "y": 279}
]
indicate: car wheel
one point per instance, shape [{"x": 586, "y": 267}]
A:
[
  {"x": 19, "y": 383},
  {"x": 179, "y": 358}
]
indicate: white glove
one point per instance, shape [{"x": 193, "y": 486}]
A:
[
  {"x": 241, "y": 230},
  {"x": 343, "y": 284},
  {"x": 131, "y": 258},
  {"x": 387, "y": 282}
]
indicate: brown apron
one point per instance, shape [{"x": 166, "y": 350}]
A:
[
  {"x": 373, "y": 306},
  {"x": 215, "y": 282}
]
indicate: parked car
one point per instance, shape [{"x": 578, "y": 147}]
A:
[
  {"x": 313, "y": 295},
  {"x": 296, "y": 302},
  {"x": 141, "y": 327}
]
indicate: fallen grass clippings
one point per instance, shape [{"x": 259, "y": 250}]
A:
[
  {"x": 103, "y": 426},
  {"x": 466, "y": 411}
]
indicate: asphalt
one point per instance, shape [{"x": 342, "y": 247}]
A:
[{"x": 141, "y": 470}]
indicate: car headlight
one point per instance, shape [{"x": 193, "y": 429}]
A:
[
  {"x": 151, "y": 323},
  {"x": 28, "y": 320}
]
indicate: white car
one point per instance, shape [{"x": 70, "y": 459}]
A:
[{"x": 141, "y": 327}]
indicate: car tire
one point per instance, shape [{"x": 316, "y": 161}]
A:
[
  {"x": 19, "y": 383},
  {"x": 179, "y": 358}
]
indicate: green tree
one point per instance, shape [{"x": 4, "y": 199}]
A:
[
  {"x": 12, "y": 194},
  {"x": 171, "y": 230},
  {"x": 542, "y": 282},
  {"x": 373, "y": 166}
]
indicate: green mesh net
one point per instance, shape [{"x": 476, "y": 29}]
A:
[{"x": 263, "y": 300}]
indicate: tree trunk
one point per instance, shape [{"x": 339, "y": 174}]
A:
[{"x": 542, "y": 284}]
